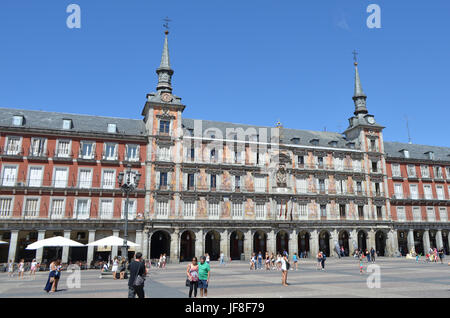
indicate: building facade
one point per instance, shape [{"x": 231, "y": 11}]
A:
[{"x": 208, "y": 187}]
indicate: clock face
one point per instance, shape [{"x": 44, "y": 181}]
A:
[
  {"x": 166, "y": 97},
  {"x": 371, "y": 120}
]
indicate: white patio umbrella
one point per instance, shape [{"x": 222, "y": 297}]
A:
[
  {"x": 57, "y": 241},
  {"x": 3, "y": 242},
  {"x": 111, "y": 241}
]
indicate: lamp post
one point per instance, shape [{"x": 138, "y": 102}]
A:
[{"x": 128, "y": 182}]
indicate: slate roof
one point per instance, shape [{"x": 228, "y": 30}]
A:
[
  {"x": 394, "y": 150},
  {"x": 305, "y": 136}
]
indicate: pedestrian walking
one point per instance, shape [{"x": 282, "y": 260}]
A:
[
  {"x": 267, "y": 261},
  {"x": 284, "y": 269},
  {"x": 33, "y": 268},
  {"x": 441, "y": 254},
  {"x": 136, "y": 280},
  {"x": 319, "y": 260},
  {"x": 21, "y": 268},
  {"x": 372, "y": 255},
  {"x": 10, "y": 268},
  {"x": 222, "y": 258},
  {"x": 295, "y": 260},
  {"x": 207, "y": 258},
  {"x": 192, "y": 274},
  {"x": 260, "y": 260},
  {"x": 368, "y": 255},
  {"x": 164, "y": 260},
  {"x": 204, "y": 273},
  {"x": 322, "y": 262}
]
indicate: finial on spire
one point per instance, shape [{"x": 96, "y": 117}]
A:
[
  {"x": 355, "y": 53},
  {"x": 166, "y": 25},
  {"x": 165, "y": 71}
]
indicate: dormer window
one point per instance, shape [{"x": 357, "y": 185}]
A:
[
  {"x": 67, "y": 124},
  {"x": 314, "y": 142},
  {"x": 295, "y": 140},
  {"x": 333, "y": 143},
  {"x": 17, "y": 120},
  {"x": 405, "y": 153},
  {"x": 112, "y": 128},
  {"x": 351, "y": 145},
  {"x": 430, "y": 155}
]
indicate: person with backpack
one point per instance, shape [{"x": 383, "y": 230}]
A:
[{"x": 137, "y": 277}]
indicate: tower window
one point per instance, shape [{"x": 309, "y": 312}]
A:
[
  {"x": 67, "y": 124},
  {"x": 164, "y": 126}
]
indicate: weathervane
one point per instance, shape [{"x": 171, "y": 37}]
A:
[
  {"x": 354, "y": 56},
  {"x": 166, "y": 25}
]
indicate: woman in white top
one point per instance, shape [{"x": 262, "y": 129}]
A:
[
  {"x": 33, "y": 268},
  {"x": 115, "y": 267},
  {"x": 284, "y": 270},
  {"x": 21, "y": 268}
]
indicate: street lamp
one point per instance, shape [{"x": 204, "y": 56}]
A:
[{"x": 128, "y": 182}]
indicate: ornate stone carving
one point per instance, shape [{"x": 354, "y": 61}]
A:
[{"x": 281, "y": 176}]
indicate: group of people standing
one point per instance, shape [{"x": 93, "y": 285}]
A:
[
  {"x": 368, "y": 254},
  {"x": 272, "y": 261},
  {"x": 198, "y": 275},
  {"x": 21, "y": 268}
]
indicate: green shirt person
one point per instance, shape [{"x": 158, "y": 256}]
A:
[{"x": 204, "y": 272}]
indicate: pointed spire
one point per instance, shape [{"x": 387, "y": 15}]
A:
[
  {"x": 359, "y": 97},
  {"x": 164, "y": 71}
]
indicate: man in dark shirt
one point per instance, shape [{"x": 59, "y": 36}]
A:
[{"x": 136, "y": 267}]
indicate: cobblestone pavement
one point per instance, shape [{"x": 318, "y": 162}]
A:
[{"x": 399, "y": 278}]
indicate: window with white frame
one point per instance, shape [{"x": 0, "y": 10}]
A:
[
  {"x": 189, "y": 209},
  {"x": 437, "y": 172},
  {"x": 447, "y": 172},
  {"x": 13, "y": 145},
  {"x": 357, "y": 165},
  {"x": 417, "y": 216},
  {"x": 440, "y": 192},
  {"x": 413, "y": 189},
  {"x": 112, "y": 128},
  {"x": 411, "y": 170},
  {"x": 302, "y": 186},
  {"x": 85, "y": 178},
  {"x": 31, "y": 209},
  {"x": 132, "y": 205},
  {"x": 396, "y": 172},
  {"x": 162, "y": 208},
  {"x": 431, "y": 215},
  {"x": 132, "y": 152},
  {"x": 110, "y": 152},
  {"x": 214, "y": 210},
  {"x": 428, "y": 192},
  {"x": 35, "y": 176},
  {"x": 109, "y": 179},
  {"x": 425, "y": 171},
  {"x": 67, "y": 124},
  {"x": 260, "y": 211},
  {"x": 60, "y": 177},
  {"x": 106, "y": 209},
  {"x": 17, "y": 120},
  {"x": 163, "y": 153},
  {"x": 5, "y": 207},
  {"x": 38, "y": 147},
  {"x": 302, "y": 210},
  {"x": 63, "y": 148},
  {"x": 82, "y": 209},
  {"x": 236, "y": 210},
  {"x": 57, "y": 209},
  {"x": 398, "y": 190},
  {"x": 260, "y": 184},
  {"x": 401, "y": 215},
  {"x": 87, "y": 149},
  {"x": 443, "y": 214},
  {"x": 9, "y": 176}
]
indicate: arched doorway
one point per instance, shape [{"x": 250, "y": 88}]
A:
[
  {"x": 343, "y": 242},
  {"x": 303, "y": 244},
  {"x": 236, "y": 245},
  {"x": 260, "y": 242},
  {"x": 418, "y": 242},
  {"x": 187, "y": 246},
  {"x": 380, "y": 243},
  {"x": 402, "y": 237},
  {"x": 282, "y": 242},
  {"x": 159, "y": 244},
  {"x": 445, "y": 242},
  {"x": 324, "y": 242},
  {"x": 362, "y": 240},
  {"x": 212, "y": 245}
]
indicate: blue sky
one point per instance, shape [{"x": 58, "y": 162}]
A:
[{"x": 252, "y": 62}]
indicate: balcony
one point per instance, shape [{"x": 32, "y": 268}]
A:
[
  {"x": 62, "y": 156},
  {"x": 11, "y": 152},
  {"x": 38, "y": 155},
  {"x": 88, "y": 158},
  {"x": 133, "y": 161},
  {"x": 109, "y": 159}
]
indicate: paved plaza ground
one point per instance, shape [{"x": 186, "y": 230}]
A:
[{"x": 399, "y": 278}]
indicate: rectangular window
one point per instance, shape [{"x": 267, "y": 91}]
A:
[
  {"x": 110, "y": 151},
  {"x": 447, "y": 172},
  {"x": 63, "y": 149},
  {"x": 443, "y": 214},
  {"x": 414, "y": 191},
  {"x": 106, "y": 209},
  {"x": 213, "y": 181},
  {"x": 440, "y": 192},
  {"x": 237, "y": 210},
  {"x": 342, "y": 210},
  {"x": 85, "y": 178},
  {"x": 162, "y": 208},
  {"x": 5, "y": 207},
  {"x": 112, "y": 128},
  {"x": 398, "y": 190},
  {"x": 13, "y": 145},
  {"x": 31, "y": 208},
  {"x": 237, "y": 182},
  {"x": 87, "y": 150},
  {"x": 17, "y": 120},
  {"x": 401, "y": 216},
  {"x": 213, "y": 210},
  {"x": 411, "y": 170},
  {"x": 163, "y": 153},
  {"x": 60, "y": 178},
  {"x": 82, "y": 210},
  {"x": 374, "y": 166},
  {"x": 321, "y": 186},
  {"x": 163, "y": 180},
  {"x": 300, "y": 161},
  {"x": 189, "y": 209},
  {"x": 109, "y": 179},
  {"x": 67, "y": 123},
  {"x": 302, "y": 211},
  {"x": 9, "y": 176},
  {"x": 323, "y": 211},
  {"x": 57, "y": 211},
  {"x": 396, "y": 172},
  {"x": 320, "y": 162},
  {"x": 417, "y": 216},
  {"x": 301, "y": 185},
  {"x": 35, "y": 177},
  {"x": 428, "y": 191},
  {"x": 379, "y": 213},
  {"x": 361, "y": 212},
  {"x": 260, "y": 211},
  {"x": 37, "y": 148},
  {"x": 431, "y": 215},
  {"x": 191, "y": 181},
  {"x": 437, "y": 172},
  {"x": 132, "y": 152},
  {"x": 260, "y": 184},
  {"x": 131, "y": 209},
  {"x": 164, "y": 126},
  {"x": 425, "y": 171}
]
